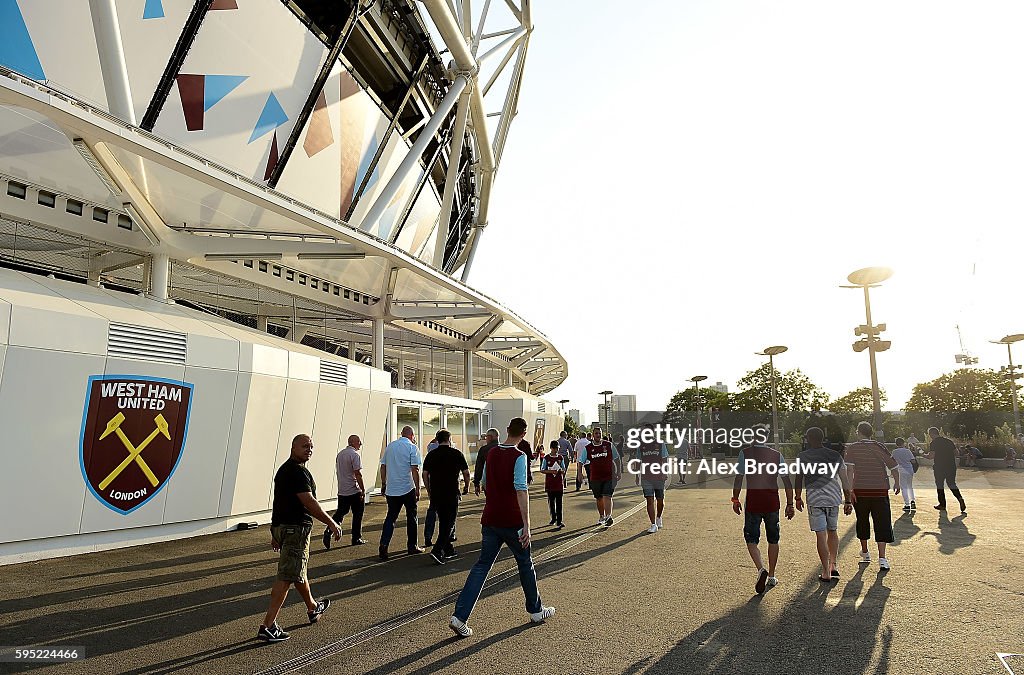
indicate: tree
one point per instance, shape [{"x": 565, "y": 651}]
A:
[
  {"x": 794, "y": 391},
  {"x": 857, "y": 401},
  {"x": 966, "y": 389},
  {"x": 963, "y": 402},
  {"x": 687, "y": 401},
  {"x": 570, "y": 426}
]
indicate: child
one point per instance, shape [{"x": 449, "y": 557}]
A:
[{"x": 553, "y": 466}]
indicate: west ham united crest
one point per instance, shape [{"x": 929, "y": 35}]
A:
[{"x": 133, "y": 433}]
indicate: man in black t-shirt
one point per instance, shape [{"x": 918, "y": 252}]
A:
[
  {"x": 290, "y": 527},
  {"x": 441, "y": 469},
  {"x": 942, "y": 452}
]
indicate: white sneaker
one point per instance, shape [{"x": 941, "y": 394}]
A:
[
  {"x": 865, "y": 557},
  {"x": 460, "y": 627},
  {"x": 652, "y": 529},
  {"x": 772, "y": 582},
  {"x": 544, "y": 613},
  {"x": 600, "y": 521},
  {"x": 883, "y": 563},
  {"x": 657, "y": 521}
]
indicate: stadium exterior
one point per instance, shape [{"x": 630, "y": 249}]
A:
[{"x": 225, "y": 222}]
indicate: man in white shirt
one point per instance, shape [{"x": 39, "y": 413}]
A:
[
  {"x": 400, "y": 478},
  {"x": 351, "y": 493},
  {"x": 581, "y": 444}
]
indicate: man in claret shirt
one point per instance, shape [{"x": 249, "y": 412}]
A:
[
  {"x": 762, "y": 506},
  {"x": 653, "y": 473},
  {"x": 605, "y": 471},
  {"x": 505, "y": 520}
]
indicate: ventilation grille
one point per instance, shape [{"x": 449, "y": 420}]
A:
[
  {"x": 542, "y": 407},
  {"x": 334, "y": 373},
  {"x": 152, "y": 344}
]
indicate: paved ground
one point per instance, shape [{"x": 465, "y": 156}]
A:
[{"x": 677, "y": 601}]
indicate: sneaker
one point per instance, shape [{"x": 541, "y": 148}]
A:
[
  {"x": 771, "y": 583},
  {"x": 608, "y": 521},
  {"x": 359, "y": 542},
  {"x": 451, "y": 556},
  {"x": 913, "y": 505},
  {"x": 907, "y": 508},
  {"x": 415, "y": 549},
  {"x": 963, "y": 509},
  {"x": 600, "y": 521},
  {"x": 865, "y": 557},
  {"x": 321, "y": 607},
  {"x": 382, "y": 553},
  {"x": 652, "y": 529},
  {"x": 272, "y": 634},
  {"x": 438, "y": 558},
  {"x": 544, "y": 613},
  {"x": 939, "y": 507},
  {"x": 560, "y": 525},
  {"x": 762, "y": 581},
  {"x": 460, "y": 627},
  {"x": 327, "y": 539},
  {"x": 883, "y": 563},
  {"x": 552, "y": 522},
  {"x": 657, "y": 521}
]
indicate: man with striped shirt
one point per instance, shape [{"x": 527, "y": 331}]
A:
[
  {"x": 870, "y": 463},
  {"x": 826, "y": 490}
]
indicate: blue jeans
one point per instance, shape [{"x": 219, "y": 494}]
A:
[{"x": 490, "y": 545}]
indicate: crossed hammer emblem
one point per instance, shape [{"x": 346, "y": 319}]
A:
[{"x": 134, "y": 452}]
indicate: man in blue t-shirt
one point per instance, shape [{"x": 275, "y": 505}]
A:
[{"x": 400, "y": 478}]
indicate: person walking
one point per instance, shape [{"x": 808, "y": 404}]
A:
[
  {"x": 907, "y": 465},
  {"x": 505, "y": 521},
  {"x": 430, "y": 520},
  {"x": 565, "y": 450},
  {"x": 762, "y": 506},
  {"x": 400, "y": 483},
  {"x": 870, "y": 462},
  {"x": 441, "y": 469},
  {"x": 481, "y": 458},
  {"x": 653, "y": 458},
  {"x": 577, "y": 450},
  {"x": 605, "y": 471},
  {"x": 553, "y": 466},
  {"x": 291, "y": 523},
  {"x": 824, "y": 475},
  {"x": 943, "y": 453},
  {"x": 351, "y": 493}
]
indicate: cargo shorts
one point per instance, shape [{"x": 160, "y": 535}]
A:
[{"x": 294, "y": 543}]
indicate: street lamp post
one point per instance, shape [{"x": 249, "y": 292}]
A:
[
  {"x": 607, "y": 423},
  {"x": 1011, "y": 374},
  {"x": 866, "y": 278},
  {"x": 697, "y": 379},
  {"x": 771, "y": 353}
]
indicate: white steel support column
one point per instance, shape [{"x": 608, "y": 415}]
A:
[
  {"x": 112, "y": 64},
  {"x": 412, "y": 158},
  {"x": 474, "y": 244},
  {"x": 451, "y": 180},
  {"x": 352, "y": 350},
  {"x": 262, "y": 324},
  {"x": 401, "y": 372},
  {"x": 378, "y": 343},
  {"x": 160, "y": 276},
  {"x": 468, "y": 372}
]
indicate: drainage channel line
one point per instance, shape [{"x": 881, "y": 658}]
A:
[{"x": 403, "y": 619}]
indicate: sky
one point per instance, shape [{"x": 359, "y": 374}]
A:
[{"x": 687, "y": 183}]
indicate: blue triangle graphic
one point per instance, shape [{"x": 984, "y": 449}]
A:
[
  {"x": 272, "y": 117},
  {"x": 154, "y": 9},
  {"x": 16, "y": 49},
  {"x": 219, "y": 86}
]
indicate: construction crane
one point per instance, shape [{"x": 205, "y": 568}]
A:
[{"x": 964, "y": 358}]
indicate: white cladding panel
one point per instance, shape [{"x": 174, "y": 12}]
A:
[
  {"x": 262, "y": 360},
  {"x": 195, "y": 491},
  {"x": 296, "y": 418},
  {"x": 357, "y": 405},
  {"x": 327, "y": 434},
  {"x": 64, "y": 40},
  {"x": 275, "y": 60},
  {"x": 303, "y": 367},
  {"x": 42, "y": 397},
  {"x": 206, "y": 351},
  {"x": 373, "y": 438},
  {"x": 255, "y": 428},
  {"x": 148, "y": 42},
  {"x": 359, "y": 376},
  {"x": 5, "y": 321}
]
